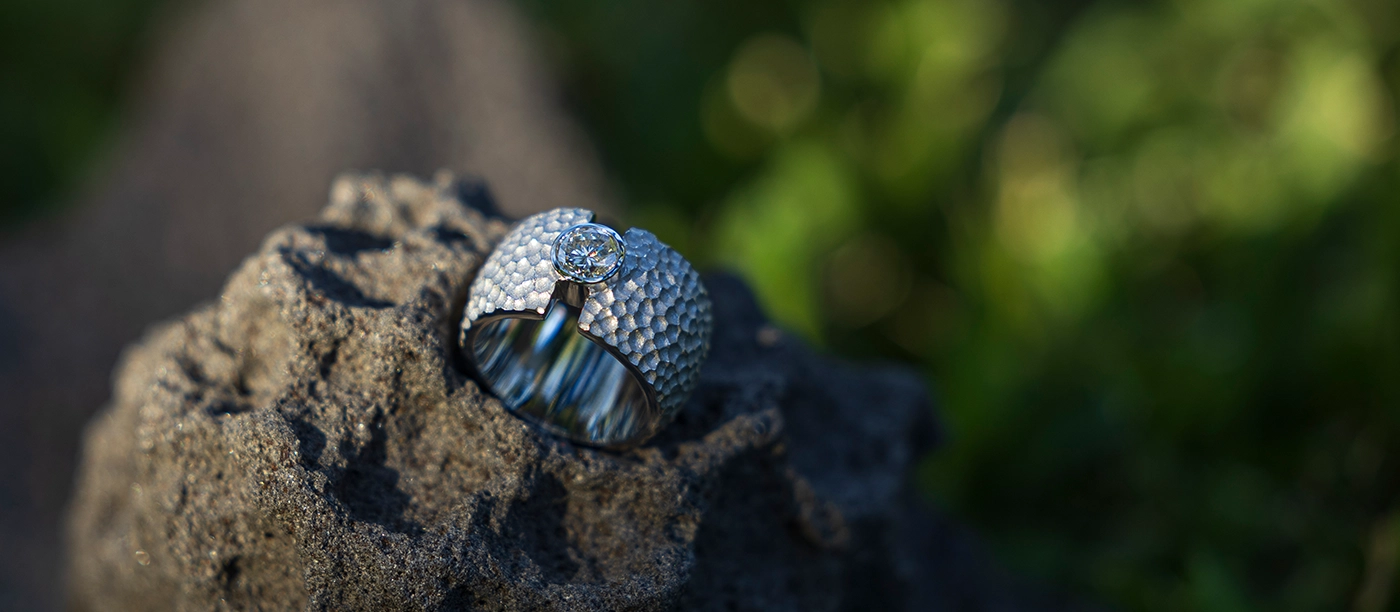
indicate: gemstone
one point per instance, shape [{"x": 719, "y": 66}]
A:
[{"x": 588, "y": 253}]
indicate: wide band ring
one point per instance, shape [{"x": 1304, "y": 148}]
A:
[{"x": 595, "y": 336}]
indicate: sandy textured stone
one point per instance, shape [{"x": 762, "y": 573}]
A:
[
  {"x": 308, "y": 441},
  {"x": 242, "y": 113}
]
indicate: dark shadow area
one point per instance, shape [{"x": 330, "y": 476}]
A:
[
  {"x": 332, "y": 286},
  {"x": 311, "y": 442},
  {"x": 343, "y": 241},
  {"x": 477, "y": 194},
  {"x": 370, "y": 489},
  {"x": 767, "y": 564},
  {"x": 537, "y": 522}
]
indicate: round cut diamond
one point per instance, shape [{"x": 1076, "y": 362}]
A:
[{"x": 588, "y": 253}]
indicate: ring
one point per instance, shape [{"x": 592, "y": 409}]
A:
[{"x": 593, "y": 335}]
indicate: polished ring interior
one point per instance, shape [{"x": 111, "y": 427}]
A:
[{"x": 548, "y": 369}]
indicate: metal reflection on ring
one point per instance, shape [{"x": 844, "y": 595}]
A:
[{"x": 595, "y": 336}]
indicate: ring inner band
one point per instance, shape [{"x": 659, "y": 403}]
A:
[{"x": 546, "y": 369}]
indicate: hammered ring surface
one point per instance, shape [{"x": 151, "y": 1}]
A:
[{"x": 593, "y": 335}]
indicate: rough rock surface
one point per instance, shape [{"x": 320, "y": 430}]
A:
[
  {"x": 308, "y": 441},
  {"x": 246, "y": 111}
]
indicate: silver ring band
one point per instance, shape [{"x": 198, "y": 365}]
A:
[{"x": 593, "y": 335}]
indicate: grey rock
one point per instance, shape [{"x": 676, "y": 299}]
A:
[{"x": 308, "y": 441}]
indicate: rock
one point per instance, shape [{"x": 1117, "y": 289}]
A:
[
  {"x": 309, "y": 441},
  {"x": 247, "y": 110}
]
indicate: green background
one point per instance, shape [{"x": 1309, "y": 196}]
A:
[{"x": 1147, "y": 253}]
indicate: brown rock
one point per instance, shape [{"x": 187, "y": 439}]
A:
[
  {"x": 309, "y": 441},
  {"x": 249, "y": 109}
]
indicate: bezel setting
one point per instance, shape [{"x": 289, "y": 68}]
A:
[{"x": 589, "y": 252}]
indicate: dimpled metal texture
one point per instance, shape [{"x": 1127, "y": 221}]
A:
[
  {"x": 654, "y": 311},
  {"x": 519, "y": 276}
]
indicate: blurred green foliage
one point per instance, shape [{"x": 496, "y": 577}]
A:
[{"x": 1148, "y": 252}]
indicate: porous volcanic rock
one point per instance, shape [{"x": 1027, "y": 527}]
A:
[{"x": 309, "y": 441}]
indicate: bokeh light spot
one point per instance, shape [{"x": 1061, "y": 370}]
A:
[{"x": 773, "y": 82}]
